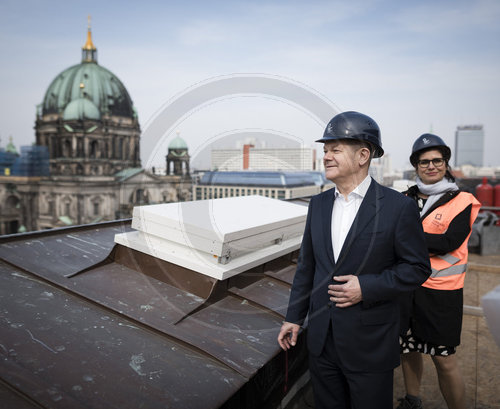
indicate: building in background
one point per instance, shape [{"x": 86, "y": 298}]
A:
[
  {"x": 88, "y": 121},
  {"x": 8, "y": 156},
  {"x": 252, "y": 158},
  {"x": 85, "y": 166},
  {"x": 273, "y": 184},
  {"x": 381, "y": 169},
  {"x": 469, "y": 145},
  {"x": 177, "y": 161}
]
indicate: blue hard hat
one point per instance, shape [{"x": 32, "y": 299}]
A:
[
  {"x": 426, "y": 142},
  {"x": 357, "y": 126}
]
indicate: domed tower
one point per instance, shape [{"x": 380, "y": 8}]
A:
[
  {"x": 88, "y": 121},
  {"x": 178, "y": 157}
]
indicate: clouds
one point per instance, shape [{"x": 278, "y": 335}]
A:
[{"x": 431, "y": 18}]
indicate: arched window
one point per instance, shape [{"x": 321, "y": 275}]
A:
[
  {"x": 94, "y": 146},
  {"x": 127, "y": 149},
  {"x": 67, "y": 148},
  {"x": 67, "y": 208},
  {"x": 12, "y": 203},
  {"x": 52, "y": 208},
  {"x": 140, "y": 196},
  {"x": 120, "y": 149},
  {"x": 79, "y": 148}
]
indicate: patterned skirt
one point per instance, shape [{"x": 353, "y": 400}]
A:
[{"x": 410, "y": 343}]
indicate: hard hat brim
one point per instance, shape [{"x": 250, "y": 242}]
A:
[{"x": 378, "y": 152}]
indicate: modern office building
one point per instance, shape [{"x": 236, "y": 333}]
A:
[
  {"x": 469, "y": 145},
  {"x": 275, "y": 159},
  {"x": 273, "y": 184}
]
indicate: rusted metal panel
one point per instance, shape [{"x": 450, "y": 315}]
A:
[
  {"x": 11, "y": 400},
  {"x": 56, "y": 255},
  {"x": 63, "y": 351},
  {"x": 285, "y": 274},
  {"x": 83, "y": 327},
  {"x": 239, "y": 334},
  {"x": 268, "y": 293},
  {"x": 135, "y": 295},
  {"x": 164, "y": 271}
]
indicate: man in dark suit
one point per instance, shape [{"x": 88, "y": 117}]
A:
[{"x": 363, "y": 246}]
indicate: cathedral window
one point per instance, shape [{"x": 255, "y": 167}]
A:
[
  {"x": 120, "y": 149},
  {"x": 67, "y": 148},
  {"x": 93, "y": 149},
  {"x": 139, "y": 196},
  {"x": 126, "y": 156},
  {"x": 51, "y": 208},
  {"x": 79, "y": 149}
]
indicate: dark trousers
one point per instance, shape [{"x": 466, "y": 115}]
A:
[{"x": 335, "y": 388}]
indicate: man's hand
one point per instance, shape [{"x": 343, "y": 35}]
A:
[
  {"x": 287, "y": 337},
  {"x": 346, "y": 294}
]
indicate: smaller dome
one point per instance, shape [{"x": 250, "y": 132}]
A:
[
  {"x": 81, "y": 108},
  {"x": 178, "y": 143},
  {"x": 11, "y": 148}
]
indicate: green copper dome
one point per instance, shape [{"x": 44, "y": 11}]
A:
[
  {"x": 178, "y": 143},
  {"x": 89, "y": 81},
  {"x": 81, "y": 108},
  {"x": 11, "y": 148}
]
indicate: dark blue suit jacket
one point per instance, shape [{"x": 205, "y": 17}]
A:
[{"x": 386, "y": 248}]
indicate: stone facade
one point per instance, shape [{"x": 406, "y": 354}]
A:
[
  {"x": 87, "y": 147},
  {"x": 31, "y": 203}
]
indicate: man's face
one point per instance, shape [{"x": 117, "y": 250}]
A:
[{"x": 339, "y": 161}]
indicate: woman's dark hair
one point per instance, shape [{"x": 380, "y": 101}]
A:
[{"x": 448, "y": 175}]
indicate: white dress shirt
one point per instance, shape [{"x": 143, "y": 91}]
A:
[{"x": 343, "y": 214}]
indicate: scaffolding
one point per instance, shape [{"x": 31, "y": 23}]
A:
[{"x": 33, "y": 161}]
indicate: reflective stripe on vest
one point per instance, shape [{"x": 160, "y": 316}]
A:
[
  {"x": 449, "y": 258},
  {"x": 459, "y": 269},
  {"x": 448, "y": 270}
]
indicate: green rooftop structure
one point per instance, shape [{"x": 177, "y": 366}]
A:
[
  {"x": 178, "y": 143},
  {"x": 10, "y": 148},
  {"x": 178, "y": 157}
]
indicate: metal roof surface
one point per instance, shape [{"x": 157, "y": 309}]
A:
[{"x": 84, "y": 324}]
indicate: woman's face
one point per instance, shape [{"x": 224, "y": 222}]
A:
[{"x": 427, "y": 171}]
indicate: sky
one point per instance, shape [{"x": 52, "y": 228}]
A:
[{"x": 414, "y": 67}]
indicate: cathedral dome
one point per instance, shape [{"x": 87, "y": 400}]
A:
[
  {"x": 87, "y": 121},
  {"x": 88, "y": 81},
  {"x": 81, "y": 108}
]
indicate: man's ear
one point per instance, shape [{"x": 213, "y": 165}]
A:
[{"x": 364, "y": 156}]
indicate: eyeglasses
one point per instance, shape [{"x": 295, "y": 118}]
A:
[{"x": 424, "y": 163}]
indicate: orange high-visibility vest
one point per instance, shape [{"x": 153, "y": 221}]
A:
[{"x": 448, "y": 270}]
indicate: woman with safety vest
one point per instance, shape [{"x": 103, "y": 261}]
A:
[{"x": 431, "y": 319}]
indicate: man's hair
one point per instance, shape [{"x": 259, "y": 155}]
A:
[{"x": 360, "y": 144}]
